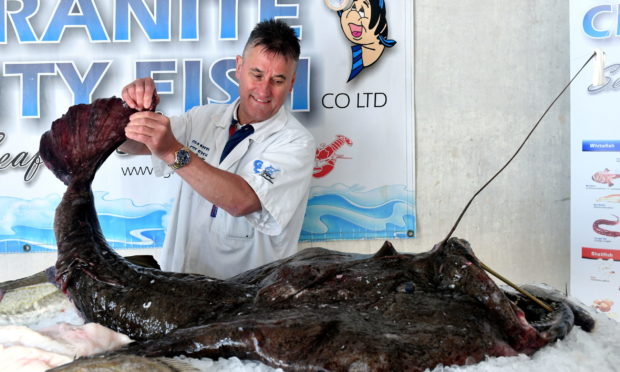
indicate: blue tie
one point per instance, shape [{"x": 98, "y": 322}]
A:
[
  {"x": 358, "y": 63},
  {"x": 235, "y": 138}
]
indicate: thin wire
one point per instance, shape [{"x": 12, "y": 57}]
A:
[{"x": 515, "y": 154}]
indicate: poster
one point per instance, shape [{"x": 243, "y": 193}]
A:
[
  {"x": 595, "y": 158},
  {"x": 358, "y": 106}
]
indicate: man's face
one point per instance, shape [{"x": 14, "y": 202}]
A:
[{"x": 265, "y": 80}]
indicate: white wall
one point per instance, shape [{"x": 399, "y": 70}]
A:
[{"x": 485, "y": 70}]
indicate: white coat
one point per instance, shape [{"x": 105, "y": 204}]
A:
[{"x": 276, "y": 161}]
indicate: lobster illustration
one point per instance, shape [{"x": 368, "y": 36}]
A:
[
  {"x": 599, "y": 230},
  {"x": 605, "y": 177},
  {"x": 325, "y": 158}
]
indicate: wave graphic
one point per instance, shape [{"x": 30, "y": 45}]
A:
[
  {"x": 27, "y": 225},
  {"x": 352, "y": 212},
  {"x": 338, "y": 212}
]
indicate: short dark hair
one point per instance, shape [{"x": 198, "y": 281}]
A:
[{"x": 276, "y": 37}]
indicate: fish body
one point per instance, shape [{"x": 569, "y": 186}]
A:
[
  {"x": 29, "y": 304},
  {"x": 31, "y": 299},
  {"x": 124, "y": 363},
  {"x": 316, "y": 310},
  {"x": 65, "y": 339}
]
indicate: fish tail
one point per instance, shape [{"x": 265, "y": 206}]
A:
[{"x": 80, "y": 141}]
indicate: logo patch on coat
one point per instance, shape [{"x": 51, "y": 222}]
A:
[{"x": 267, "y": 172}]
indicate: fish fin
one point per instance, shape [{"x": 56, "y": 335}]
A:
[
  {"x": 178, "y": 365},
  {"x": 80, "y": 141},
  {"x": 145, "y": 260},
  {"x": 50, "y": 274},
  {"x": 37, "y": 278},
  {"x": 387, "y": 249}
]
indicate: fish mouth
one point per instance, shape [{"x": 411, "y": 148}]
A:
[{"x": 356, "y": 30}]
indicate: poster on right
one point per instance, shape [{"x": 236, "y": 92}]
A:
[{"x": 595, "y": 156}]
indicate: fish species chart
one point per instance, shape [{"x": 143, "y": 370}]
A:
[{"x": 595, "y": 158}]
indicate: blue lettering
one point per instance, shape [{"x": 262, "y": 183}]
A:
[
  {"x": 192, "y": 95},
  {"x": 82, "y": 88},
  {"x": 189, "y": 19},
  {"x": 272, "y": 9},
  {"x": 149, "y": 68},
  {"x": 228, "y": 19},
  {"x": 155, "y": 26},
  {"x": 300, "y": 96},
  {"x": 30, "y": 80},
  {"x": 220, "y": 75},
  {"x": 19, "y": 20},
  {"x": 65, "y": 15},
  {"x": 589, "y": 19}
]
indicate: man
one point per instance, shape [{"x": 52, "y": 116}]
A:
[{"x": 239, "y": 206}]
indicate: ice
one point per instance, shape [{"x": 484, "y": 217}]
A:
[{"x": 579, "y": 351}]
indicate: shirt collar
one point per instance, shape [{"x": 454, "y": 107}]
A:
[{"x": 262, "y": 129}]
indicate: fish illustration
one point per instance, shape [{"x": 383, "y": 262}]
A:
[
  {"x": 316, "y": 310},
  {"x": 596, "y": 226},
  {"x": 612, "y": 198},
  {"x": 605, "y": 176}
]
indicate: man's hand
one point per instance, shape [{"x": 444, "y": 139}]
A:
[
  {"x": 141, "y": 95},
  {"x": 153, "y": 130},
  {"x": 147, "y": 129}
]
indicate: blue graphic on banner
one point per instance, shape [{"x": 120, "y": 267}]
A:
[
  {"x": 343, "y": 212},
  {"x": 27, "y": 225},
  {"x": 600, "y": 145}
]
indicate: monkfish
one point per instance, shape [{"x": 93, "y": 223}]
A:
[
  {"x": 316, "y": 310},
  {"x": 605, "y": 176}
]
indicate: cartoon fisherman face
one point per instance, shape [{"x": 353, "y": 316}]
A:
[
  {"x": 364, "y": 23},
  {"x": 355, "y": 23}
]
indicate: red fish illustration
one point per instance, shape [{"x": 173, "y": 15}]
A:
[
  {"x": 602, "y": 231},
  {"x": 605, "y": 177},
  {"x": 326, "y": 156}
]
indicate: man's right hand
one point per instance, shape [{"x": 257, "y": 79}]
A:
[
  {"x": 141, "y": 95},
  {"x": 154, "y": 131}
]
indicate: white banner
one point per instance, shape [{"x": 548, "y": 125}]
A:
[
  {"x": 57, "y": 53},
  {"x": 595, "y": 157}
]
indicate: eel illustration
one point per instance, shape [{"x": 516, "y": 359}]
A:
[
  {"x": 599, "y": 230},
  {"x": 316, "y": 310}
]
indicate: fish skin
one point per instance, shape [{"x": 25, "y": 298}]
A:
[
  {"x": 30, "y": 299},
  {"x": 316, "y": 310},
  {"x": 29, "y": 304},
  {"x": 124, "y": 363}
]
